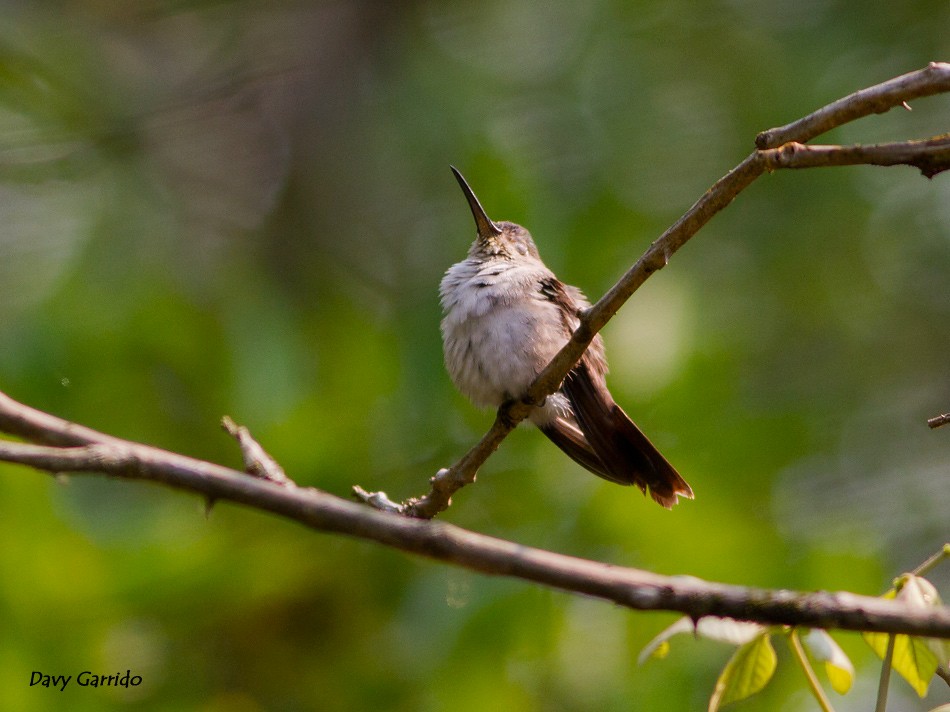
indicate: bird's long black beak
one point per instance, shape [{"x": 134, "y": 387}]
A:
[{"x": 486, "y": 228}]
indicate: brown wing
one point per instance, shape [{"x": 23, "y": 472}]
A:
[{"x": 604, "y": 440}]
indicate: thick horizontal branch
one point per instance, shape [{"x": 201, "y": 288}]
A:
[{"x": 641, "y": 590}]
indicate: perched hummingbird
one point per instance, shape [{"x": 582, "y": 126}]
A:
[{"x": 506, "y": 316}]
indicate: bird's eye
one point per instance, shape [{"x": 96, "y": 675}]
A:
[{"x": 522, "y": 250}]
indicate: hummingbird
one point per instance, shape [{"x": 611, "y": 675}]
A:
[{"x": 505, "y": 317}]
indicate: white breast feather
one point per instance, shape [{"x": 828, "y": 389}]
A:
[{"x": 499, "y": 333}]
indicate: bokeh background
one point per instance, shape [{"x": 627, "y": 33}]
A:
[{"x": 245, "y": 208}]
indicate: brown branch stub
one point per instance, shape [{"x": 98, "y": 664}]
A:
[
  {"x": 930, "y": 156},
  {"x": 257, "y": 461},
  {"x": 938, "y": 421},
  {"x": 378, "y": 500}
]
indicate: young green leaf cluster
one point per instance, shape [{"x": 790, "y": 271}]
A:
[{"x": 918, "y": 660}]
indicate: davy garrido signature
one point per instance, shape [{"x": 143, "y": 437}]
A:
[{"x": 85, "y": 679}]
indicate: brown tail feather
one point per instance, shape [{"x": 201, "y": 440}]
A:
[
  {"x": 625, "y": 453},
  {"x": 567, "y": 436}
]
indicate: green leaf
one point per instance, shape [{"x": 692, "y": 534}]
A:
[
  {"x": 825, "y": 650},
  {"x": 915, "y": 659},
  {"x": 747, "y": 672}
]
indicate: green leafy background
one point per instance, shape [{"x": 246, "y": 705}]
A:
[{"x": 246, "y": 208}]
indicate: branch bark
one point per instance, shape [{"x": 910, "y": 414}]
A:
[
  {"x": 777, "y": 148},
  {"x": 78, "y": 449}
]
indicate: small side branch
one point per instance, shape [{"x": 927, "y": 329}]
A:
[
  {"x": 939, "y": 420},
  {"x": 930, "y": 156},
  {"x": 257, "y": 461}
]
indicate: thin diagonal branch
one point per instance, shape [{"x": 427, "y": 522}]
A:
[
  {"x": 932, "y": 79},
  {"x": 931, "y": 156},
  {"x": 83, "y": 450}
]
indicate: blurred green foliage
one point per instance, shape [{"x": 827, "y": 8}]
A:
[{"x": 246, "y": 208}]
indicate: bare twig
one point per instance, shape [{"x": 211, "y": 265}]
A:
[
  {"x": 930, "y": 156},
  {"x": 932, "y": 79},
  {"x": 932, "y": 561},
  {"x": 257, "y": 461},
  {"x": 817, "y": 692},
  {"x": 884, "y": 682},
  {"x": 379, "y": 501},
  {"x": 939, "y": 420},
  {"x": 83, "y": 450}
]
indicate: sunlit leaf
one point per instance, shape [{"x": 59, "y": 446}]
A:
[
  {"x": 940, "y": 648},
  {"x": 825, "y": 650},
  {"x": 722, "y": 630},
  {"x": 915, "y": 659},
  {"x": 919, "y": 592},
  {"x": 746, "y": 673}
]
